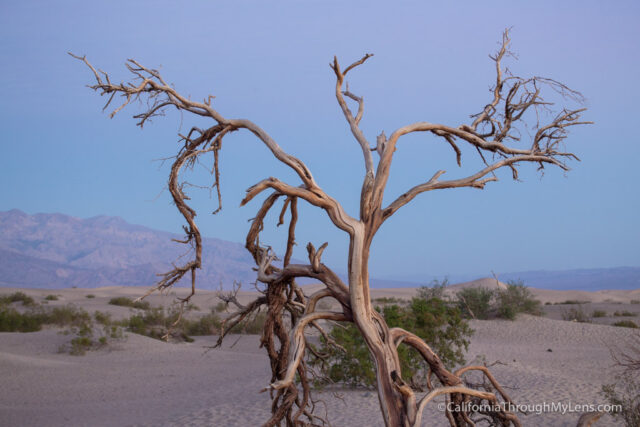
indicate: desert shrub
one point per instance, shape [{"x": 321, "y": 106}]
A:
[
  {"x": 205, "y": 325},
  {"x": 635, "y": 301},
  {"x": 624, "y": 313},
  {"x": 353, "y": 367},
  {"x": 85, "y": 340},
  {"x": 68, "y": 315},
  {"x": 548, "y": 303},
  {"x": 153, "y": 323},
  {"x": 516, "y": 298},
  {"x": 113, "y": 331},
  {"x": 436, "y": 290},
  {"x": 220, "y": 307},
  {"x": 77, "y": 320},
  {"x": 387, "y": 300},
  {"x": 51, "y": 298},
  {"x": 142, "y": 305},
  {"x": 484, "y": 303},
  {"x": 599, "y": 313},
  {"x": 576, "y": 315},
  {"x": 572, "y": 302},
  {"x": 160, "y": 323},
  {"x": 121, "y": 301},
  {"x": 625, "y": 394},
  {"x": 90, "y": 296},
  {"x": 128, "y": 302},
  {"x": 251, "y": 326},
  {"x": 80, "y": 345},
  {"x": 192, "y": 307},
  {"x": 13, "y": 321},
  {"x": 102, "y": 318},
  {"x": 626, "y": 324},
  {"x": 25, "y": 299},
  {"x": 440, "y": 324},
  {"x": 33, "y": 319},
  {"x": 476, "y": 302},
  {"x": 86, "y": 335}
]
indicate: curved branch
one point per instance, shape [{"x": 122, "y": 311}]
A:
[
  {"x": 316, "y": 197},
  {"x": 298, "y": 344},
  {"x": 400, "y": 335},
  {"x": 491, "y": 378},
  {"x": 450, "y": 390},
  {"x": 238, "y": 317},
  {"x": 512, "y": 98},
  {"x": 161, "y": 95},
  {"x": 476, "y": 180}
]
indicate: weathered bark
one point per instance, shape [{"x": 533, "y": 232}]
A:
[{"x": 285, "y": 342}]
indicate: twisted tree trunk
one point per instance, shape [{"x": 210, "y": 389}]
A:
[{"x": 488, "y": 135}]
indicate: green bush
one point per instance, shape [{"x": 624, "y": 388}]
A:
[
  {"x": 84, "y": 339},
  {"x": 153, "y": 323},
  {"x": 476, "y": 302},
  {"x": 220, "y": 307},
  {"x": 13, "y": 321},
  {"x": 51, "y": 298},
  {"x": 80, "y": 345},
  {"x": 572, "y": 302},
  {"x": 387, "y": 300},
  {"x": 160, "y": 323},
  {"x": 576, "y": 315},
  {"x": 599, "y": 313},
  {"x": 68, "y": 315},
  {"x": 624, "y": 313},
  {"x": 102, "y": 318},
  {"x": 17, "y": 297},
  {"x": 484, "y": 303},
  {"x": 626, "y": 324},
  {"x": 251, "y": 326},
  {"x": 76, "y": 319},
  {"x": 516, "y": 298},
  {"x": 205, "y": 325},
  {"x": 353, "y": 367},
  {"x": 635, "y": 301},
  {"x": 440, "y": 324},
  {"x": 436, "y": 290},
  {"x": 128, "y": 302},
  {"x": 90, "y": 296},
  {"x": 192, "y": 307}
]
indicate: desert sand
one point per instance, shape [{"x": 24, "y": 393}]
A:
[{"x": 140, "y": 381}]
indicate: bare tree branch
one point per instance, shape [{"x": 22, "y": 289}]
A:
[{"x": 517, "y": 107}]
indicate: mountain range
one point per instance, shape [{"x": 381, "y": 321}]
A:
[{"x": 60, "y": 251}]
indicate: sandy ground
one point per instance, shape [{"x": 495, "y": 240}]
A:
[{"x": 141, "y": 381}]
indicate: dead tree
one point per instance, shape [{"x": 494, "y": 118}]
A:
[{"x": 495, "y": 133}]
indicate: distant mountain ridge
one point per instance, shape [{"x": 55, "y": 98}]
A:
[{"x": 59, "y": 251}]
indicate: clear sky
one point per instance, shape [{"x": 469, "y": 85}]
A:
[{"x": 268, "y": 61}]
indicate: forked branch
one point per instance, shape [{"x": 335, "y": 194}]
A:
[{"x": 516, "y": 105}]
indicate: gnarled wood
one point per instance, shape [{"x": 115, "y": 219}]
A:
[{"x": 492, "y": 133}]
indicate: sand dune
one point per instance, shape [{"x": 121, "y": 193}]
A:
[{"x": 141, "y": 381}]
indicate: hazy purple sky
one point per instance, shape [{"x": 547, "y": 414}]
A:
[{"x": 268, "y": 61}]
